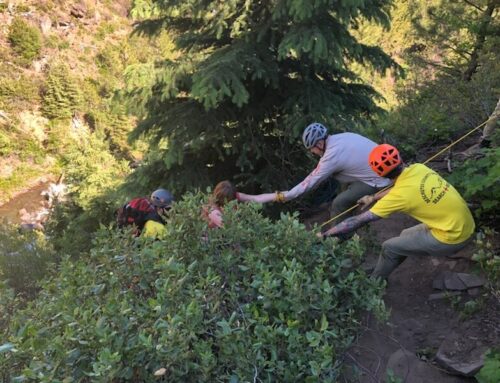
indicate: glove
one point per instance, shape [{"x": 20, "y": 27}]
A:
[{"x": 366, "y": 201}]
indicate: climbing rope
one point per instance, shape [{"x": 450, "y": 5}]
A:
[{"x": 427, "y": 161}]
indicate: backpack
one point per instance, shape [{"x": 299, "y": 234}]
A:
[{"x": 137, "y": 212}]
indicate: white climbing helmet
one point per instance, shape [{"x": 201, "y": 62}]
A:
[{"x": 314, "y": 133}]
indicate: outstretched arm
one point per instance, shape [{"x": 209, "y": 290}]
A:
[
  {"x": 259, "y": 198},
  {"x": 350, "y": 224}
]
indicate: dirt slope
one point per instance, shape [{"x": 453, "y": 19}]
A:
[{"x": 417, "y": 326}]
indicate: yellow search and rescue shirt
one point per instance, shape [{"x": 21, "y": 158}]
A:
[
  {"x": 153, "y": 229},
  {"x": 423, "y": 194}
]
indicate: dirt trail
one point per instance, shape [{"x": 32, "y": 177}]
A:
[{"x": 417, "y": 327}]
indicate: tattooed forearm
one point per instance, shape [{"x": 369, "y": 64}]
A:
[{"x": 351, "y": 224}]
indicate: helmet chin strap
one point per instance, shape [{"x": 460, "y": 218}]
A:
[{"x": 323, "y": 148}]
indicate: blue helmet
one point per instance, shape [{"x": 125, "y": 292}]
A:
[
  {"x": 162, "y": 198},
  {"x": 314, "y": 133}
]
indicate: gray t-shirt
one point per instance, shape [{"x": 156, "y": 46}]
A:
[{"x": 345, "y": 159}]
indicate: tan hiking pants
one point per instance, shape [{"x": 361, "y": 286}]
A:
[
  {"x": 348, "y": 198},
  {"x": 416, "y": 240}
]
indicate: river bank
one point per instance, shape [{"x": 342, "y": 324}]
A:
[{"x": 35, "y": 183}]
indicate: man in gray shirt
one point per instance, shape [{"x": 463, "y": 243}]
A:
[{"x": 343, "y": 156}]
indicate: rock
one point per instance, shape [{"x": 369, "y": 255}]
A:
[
  {"x": 27, "y": 227},
  {"x": 451, "y": 264},
  {"x": 410, "y": 369},
  {"x": 45, "y": 25},
  {"x": 457, "y": 281},
  {"x": 97, "y": 16},
  {"x": 4, "y": 119},
  {"x": 160, "y": 372},
  {"x": 443, "y": 295},
  {"x": 460, "y": 356},
  {"x": 474, "y": 292},
  {"x": 453, "y": 282},
  {"x": 470, "y": 280},
  {"x": 438, "y": 282},
  {"x": 22, "y": 212},
  {"x": 40, "y": 65},
  {"x": 64, "y": 24},
  {"x": 435, "y": 262},
  {"x": 78, "y": 10}
]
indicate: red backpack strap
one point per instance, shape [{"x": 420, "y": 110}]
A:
[{"x": 137, "y": 211}]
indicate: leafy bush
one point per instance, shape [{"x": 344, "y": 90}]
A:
[
  {"x": 23, "y": 172},
  {"x": 17, "y": 91},
  {"x": 93, "y": 174},
  {"x": 490, "y": 372},
  {"x": 256, "y": 300},
  {"x": 92, "y": 170},
  {"x": 6, "y": 146},
  {"x": 25, "y": 39},
  {"x": 24, "y": 258},
  {"x": 488, "y": 259},
  {"x": 8, "y": 304},
  {"x": 59, "y": 140},
  {"x": 477, "y": 178}
]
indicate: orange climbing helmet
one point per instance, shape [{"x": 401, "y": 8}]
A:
[{"x": 383, "y": 159}]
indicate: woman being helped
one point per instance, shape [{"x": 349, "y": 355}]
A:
[{"x": 223, "y": 193}]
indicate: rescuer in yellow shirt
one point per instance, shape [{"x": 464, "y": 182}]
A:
[
  {"x": 446, "y": 221},
  {"x": 153, "y": 229}
]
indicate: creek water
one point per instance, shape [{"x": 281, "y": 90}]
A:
[{"x": 31, "y": 200}]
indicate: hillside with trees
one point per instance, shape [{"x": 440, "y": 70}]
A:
[{"x": 118, "y": 98}]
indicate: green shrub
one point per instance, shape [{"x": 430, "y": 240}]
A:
[
  {"x": 22, "y": 8},
  {"x": 62, "y": 96},
  {"x": 92, "y": 170},
  {"x": 24, "y": 258},
  {"x": 25, "y": 39},
  {"x": 490, "y": 372},
  {"x": 105, "y": 29},
  {"x": 256, "y": 300},
  {"x": 477, "y": 179},
  {"x": 6, "y": 146},
  {"x": 59, "y": 140},
  {"x": 18, "y": 92},
  {"x": 8, "y": 304},
  {"x": 70, "y": 228},
  {"x": 23, "y": 172},
  {"x": 488, "y": 259},
  {"x": 116, "y": 126},
  {"x": 54, "y": 41},
  {"x": 94, "y": 174}
]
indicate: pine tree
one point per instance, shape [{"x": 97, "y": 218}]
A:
[
  {"x": 248, "y": 78},
  {"x": 62, "y": 97},
  {"x": 460, "y": 32}
]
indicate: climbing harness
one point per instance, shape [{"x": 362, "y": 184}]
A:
[{"x": 427, "y": 161}]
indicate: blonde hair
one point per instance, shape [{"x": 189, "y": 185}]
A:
[{"x": 224, "y": 192}]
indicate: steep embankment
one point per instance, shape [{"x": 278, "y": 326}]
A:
[
  {"x": 439, "y": 327},
  {"x": 59, "y": 65},
  {"x": 430, "y": 329}
]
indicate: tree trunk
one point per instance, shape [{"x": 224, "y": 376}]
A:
[{"x": 480, "y": 38}]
